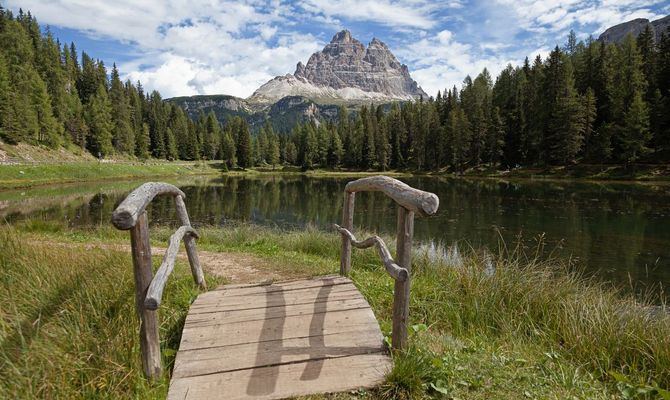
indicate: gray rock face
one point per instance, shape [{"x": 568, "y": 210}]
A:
[
  {"x": 617, "y": 33},
  {"x": 347, "y": 70}
]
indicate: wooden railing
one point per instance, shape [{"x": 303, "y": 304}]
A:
[
  {"x": 410, "y": 201},
  {"x": 131, "y": 215}
]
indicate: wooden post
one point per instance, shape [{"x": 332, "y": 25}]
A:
[
  {"x": 189, "y": 243},
  {"x": 348, "y": 224},
  {"x": 149, "y": 340},
  {"x": 401, "y": 291}
]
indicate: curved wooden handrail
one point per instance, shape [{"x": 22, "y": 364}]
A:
[
  {"x": 155, "y": 290},
  {"x": 126, "y": 214},
  {"x": 410, "y": 201},
  {"x": 131, "y": 215},
  {"x": 422, "y": 203},
  {"x": 398, "y": 273}
]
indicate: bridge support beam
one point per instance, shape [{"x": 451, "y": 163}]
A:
[
  {"x": 405, "y": 235},
  {"x": 149, "y": 342}
]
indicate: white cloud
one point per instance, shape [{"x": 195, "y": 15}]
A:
[
  {"x": 441, "y": 62},
  {"x": 553, "y": 16},
  {"x": 184, "y": 47},
  {"x": 403, "y": 13},
  {"x": 189, "y": 47}
]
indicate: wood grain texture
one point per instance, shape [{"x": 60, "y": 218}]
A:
[
  {"x": 126, "y": 214},
  {"x": 422, "y": 203},
  {"x": 155, "y": 291},
  {"x": 149, "y": 340},
  {"x": 189, "y": 243},
  {"x": 285, "y": 380},
  {"x": 278, "y": 341},
  {"x": 393, "y": 269},
  {"x": 347, "y": 223},
  {"x": 401, "y": 290}
]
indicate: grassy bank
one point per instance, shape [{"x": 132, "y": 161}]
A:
[
  {"x": 28, "y": 175},
  {"x": 637, "y": 172},
  {"x": 531, "y": 330}
]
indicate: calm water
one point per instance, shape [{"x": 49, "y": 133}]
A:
[{"x": 619, "y": 231}]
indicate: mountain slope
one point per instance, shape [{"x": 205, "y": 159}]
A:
[{"x": 617, "y": 33}]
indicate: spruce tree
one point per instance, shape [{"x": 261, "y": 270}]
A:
[
  {"x": 123, "y": 136},
  {"x": 565, "y": 129},
  {"x": 99, "y": 120},
  {"x": 273, "y": 150},
  {"x": 6, "y": 110},
  {"x": 243, "y": 144},
  {"x": 633, "y": 138},
  {"x": 142, "y": 143}
]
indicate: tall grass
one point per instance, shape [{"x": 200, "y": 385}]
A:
[
  {"x": 530, "y": 328},
  {"x": 68, "y": 327}
]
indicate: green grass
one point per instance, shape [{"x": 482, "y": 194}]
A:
[
  {"x": 596, "y": 172},
  {"x": 28, "y": 175},
  {"x": 68, "y": 327},
  {"x": 535, "y": 329}
]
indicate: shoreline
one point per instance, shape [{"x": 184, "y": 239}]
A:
[{"x": 27, "y": 175}]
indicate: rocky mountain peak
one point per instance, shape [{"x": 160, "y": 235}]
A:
[
  {"x": 345, "y": 70},
  {"x": 343, "y": 36}
]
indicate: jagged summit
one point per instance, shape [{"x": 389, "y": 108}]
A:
[{"x": 345, "y": 70}]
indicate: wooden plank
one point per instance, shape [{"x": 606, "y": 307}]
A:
[
  {"x": 276, "y": 328},
  {"x": 230, "y": 297},
  {"x": 253, "y": 314},
  {"x": 239, "y": 290},
  {"x": 237, "y": 357},
  {"x": 287, "y": 380},
  {"x": 277, "y": 341},
  {"x": 212, "y": 303}
]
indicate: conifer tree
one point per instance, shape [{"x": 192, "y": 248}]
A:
[
  {"x": 633, "y": 138},
  {"x": 142, "y": 143},
  {"x": 565, "y": 129},
  {"x": 99, "y": 120},
  {"x": 273, "y": 150},
  {"x": 123, "y": 136},
  {"x": 243, "y": 144},
  {"x": 6, "y": 111}
]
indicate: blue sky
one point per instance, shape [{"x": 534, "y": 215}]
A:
[{"x": 187, "y": 47}]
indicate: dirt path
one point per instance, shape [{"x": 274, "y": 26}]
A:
[{"x": 234, "y": 267}]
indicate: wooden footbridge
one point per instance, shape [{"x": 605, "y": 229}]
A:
[{"x": 273, "y": 341}]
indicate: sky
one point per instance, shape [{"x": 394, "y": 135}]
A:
[{"x": 189, "y": 47}]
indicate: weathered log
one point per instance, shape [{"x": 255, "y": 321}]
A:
[
  {"x": 155, "y": 291},
  {"x": 189, "y": 243},
  {"x": 126, "y": 214},
  {"x": 347, "y": 223},
  {"x": 402, "y": 288},
  {"x": 398, "y": 273},
  {"x": 149, "y": 340},
  {"x": 422, "y": 203}
]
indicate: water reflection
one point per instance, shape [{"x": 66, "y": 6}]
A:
[{"x": 621, "y": 231}]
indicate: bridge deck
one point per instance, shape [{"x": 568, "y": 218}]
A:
[{"x": 277, "y": 341}]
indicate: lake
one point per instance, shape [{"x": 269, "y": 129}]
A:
[{"x": 618, "y": 231}]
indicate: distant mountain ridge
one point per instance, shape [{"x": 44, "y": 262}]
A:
[
  {"x": 344, "y": 73},
  {"x": 617, "y": 33}
]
